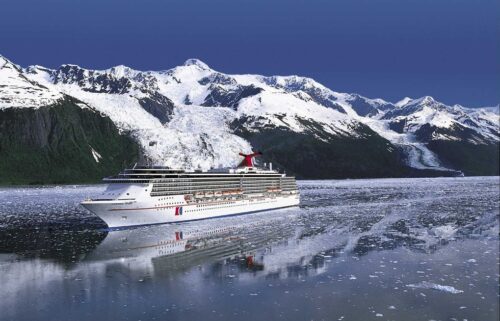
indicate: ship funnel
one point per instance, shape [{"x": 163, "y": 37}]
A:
[
  {"x": 270, "y": 166},
  {"x": 248, "y": 161}
]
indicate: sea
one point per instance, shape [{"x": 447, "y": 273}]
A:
[{"x": 379, "y": 249}]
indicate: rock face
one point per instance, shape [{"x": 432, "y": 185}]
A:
[
  {"x": 464, "y": 139},
  {"x": 60, "y": 143},
  {"x": 322, "y": 154},
  {"x": 194, "y": 117}
]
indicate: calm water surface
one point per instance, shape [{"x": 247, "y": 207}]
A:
[{"x": 396, "y": 249}]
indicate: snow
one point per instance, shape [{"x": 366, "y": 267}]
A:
[
  {"x": 182, "y": 82},
  {"x": 196, "y": 62},
  {"x": 95, "y": 154},
  {"x": 403, "y": 102},
  {"x": 444, "y": 231},
  {"x": 271, "y": 105},
  {"x": 426, "y": 110},
  {"x": 494, "y": 110},
  {"x": 196, "y": 137},
  {"x": 378, "y": 101},
  {"x": 418, "y": 155},
  {"x": 18, "y": 91},
  {"x": 415, "y": 113},
  {"x": 207, "y": 135},
  {"x": 200, "y": 137},
  {"x": 121, "y": 71},
  {"x": 430, "y": 116}
]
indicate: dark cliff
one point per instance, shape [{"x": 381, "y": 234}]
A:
[{"x": 61, "y": 143}]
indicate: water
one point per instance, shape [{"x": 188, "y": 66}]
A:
[{"x": 395, "y": 249}]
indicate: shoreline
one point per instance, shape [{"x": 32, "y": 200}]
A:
[{"x": 298, "y": 179}]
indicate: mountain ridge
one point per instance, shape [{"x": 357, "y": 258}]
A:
[{"x": 192, "y": 116}]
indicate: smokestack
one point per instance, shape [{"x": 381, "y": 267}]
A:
[{"x": 270, "y": 166}]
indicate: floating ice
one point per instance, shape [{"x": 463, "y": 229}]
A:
[
  {"x": 341, "y": 219},
  {"x": 430, "y": 285},
  {"x": 445, "y": 231}
]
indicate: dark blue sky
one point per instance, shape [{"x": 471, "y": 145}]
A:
[{"x": 449, "y": 49}]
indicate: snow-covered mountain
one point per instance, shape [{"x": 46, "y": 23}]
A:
[
  {"x": 49, "y": 137},
  {"x": 415, "y": 114},
  {"x": 192, "y": 116},
  {"x": 416, "y": 125},
  {"x": 182, "y": 116},
  {"x": 17, "y": 90}
]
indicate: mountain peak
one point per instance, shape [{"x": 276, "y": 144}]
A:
[
  {"x": 9, "y": 69},
  {"x": 494, "y": 110},
  {"x": 66, "y": 67},
  {"x": 16, "y": 90},
  {"x": 425, "y": 100},
  {"x": 196, "y": 62},
  {"x": 121, "y": 71},
  {"x": 5, "y": 62},
  {"x": 403, "y": 102}
]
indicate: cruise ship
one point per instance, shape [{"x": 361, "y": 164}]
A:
[{"x": 155, "y": 194}]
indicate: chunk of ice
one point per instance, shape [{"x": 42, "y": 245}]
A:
[{"x": 434, "y": 286}]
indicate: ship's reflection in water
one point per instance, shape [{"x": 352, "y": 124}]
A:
[
  {"x": 164, "y": 250},
  {"x": 354, "y": 250},
  {"x": 271, "y": 239}
]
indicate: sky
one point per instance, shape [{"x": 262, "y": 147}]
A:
[{"x": 448, "y": 49}]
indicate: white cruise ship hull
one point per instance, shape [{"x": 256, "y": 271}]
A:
[{"x": 157, "y": 210}]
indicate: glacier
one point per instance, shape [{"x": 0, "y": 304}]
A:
[{"x": 183, "y": 117}]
